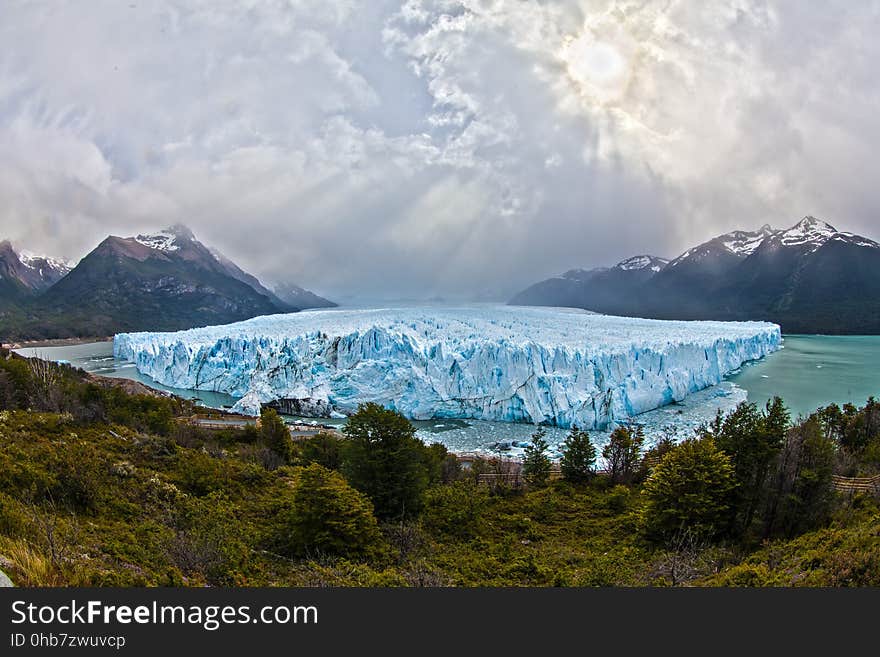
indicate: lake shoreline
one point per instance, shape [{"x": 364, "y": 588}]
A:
[{"x": 55, "y": 342}]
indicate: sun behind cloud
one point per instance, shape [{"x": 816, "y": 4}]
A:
[{"x": 600, "y": 70}]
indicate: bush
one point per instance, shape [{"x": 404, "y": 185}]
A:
[
  {"x": 324, "y": 449},
  {"x": 13, "y": 519},
  {"x": 208, "y": 540},
  {"x": 854, "y": 567},
  {"x": 617, "y": 499},
  {"x": 748, "y": 575},
  {"x": 326, "y": 516},
  {"x": 200, "y": 474},
  {"x": 80, "y": 473},
  {"x": 455, "y": 510},
  {"x": 691, "y": 489}
]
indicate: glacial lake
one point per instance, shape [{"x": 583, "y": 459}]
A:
[
  {"x": 815, "y": 370},
  {"x": 809, "y": 372}
]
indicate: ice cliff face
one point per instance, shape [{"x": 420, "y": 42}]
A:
[{"x": 542, "y": 365}]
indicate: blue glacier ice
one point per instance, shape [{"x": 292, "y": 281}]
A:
[{"x": 553, "y": 366}]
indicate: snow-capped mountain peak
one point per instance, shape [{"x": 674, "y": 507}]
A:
[
  {"x": 741, "y": 243},
  {"x": 44, "y": 264},
  {"x": 167, "y": 240},
  {"x": 640, "y": 262},
  {"x": 810, "y": 234},
  {"x": 745, "y": 243},
  {"x": 34, "y": 272},
  {"x": 808, "y": 231}
]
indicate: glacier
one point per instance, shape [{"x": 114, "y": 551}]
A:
[{"x": 553, "y": 366}]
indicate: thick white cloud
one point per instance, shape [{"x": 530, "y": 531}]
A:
[{"x": 434, "y": 147}]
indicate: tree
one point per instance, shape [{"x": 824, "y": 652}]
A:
[
  {"x": 691, "y": 490},
  {"x": 322, "y": 448},
  {"x": 275, "y": 435},
  {"x": 325, "y": 515},
  {"x": 578, "y": 462},
  {"x": 384, "y": 460},
  {"x": 802, "y": 492},
  {"x": 752, "y": 440},
  {"x": 860, "y": 427},
  {"x": 622, "y": 452},
  {"x": 536, "y": 464},
  {"x": 439, "y": 463},
  {"x": 833, "y": 422},
  {"x": 653, "y": 456}
]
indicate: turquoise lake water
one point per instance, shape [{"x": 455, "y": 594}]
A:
[{"x": 814, "y": 370}]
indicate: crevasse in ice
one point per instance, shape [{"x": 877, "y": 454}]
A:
[{"x": 504, "y": 363}]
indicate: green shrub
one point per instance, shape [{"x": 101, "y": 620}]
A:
[
  {"x": 748, "y": 575},
  {"x": 326, "y": 516},
  {"x": 455, "y": 510},
  {"x": 199, "y": 474},
  {"x": 323, "y": 448},
  {"x": 81, "y": 471},
  {"x": 209, "y": 540},
  {"x": 617, "y": 500},
  {"x": 13, "y": 519},
  {"x": 691, "y": 489}
]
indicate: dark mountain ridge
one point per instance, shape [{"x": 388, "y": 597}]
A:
[
  {"x": 164, "y": 281},
  {"x": 810, "y": 278}
]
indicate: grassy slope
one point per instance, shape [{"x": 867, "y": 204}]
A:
[
  {"x": 125, "y": 488},
  {"x": 109, "y": 490}
]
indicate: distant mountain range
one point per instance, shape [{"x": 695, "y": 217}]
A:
[
  {"x": 22, "y": 275},
  {"x": 163, "y": 281},
  {"x": 810, "y": 278},
  {"x": 296, "y": 296}
]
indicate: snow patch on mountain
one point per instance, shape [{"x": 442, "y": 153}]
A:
[
  {"x": 44, "y": 265},
  {"x": 167, "y": 240},
  {"x": 809, "y": 231},
  {"x": 637, "y": 263},
  {"x": 857, "y": 240},
  {"x": 745, "y": 243},
  {"x": 159, "y": 241},
  {"x": 541, "y": 365}
]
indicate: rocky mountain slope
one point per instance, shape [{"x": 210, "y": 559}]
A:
[{"x": 163, "y": 281}]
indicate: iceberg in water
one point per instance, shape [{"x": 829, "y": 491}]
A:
[{"x": 542, "y": 365}]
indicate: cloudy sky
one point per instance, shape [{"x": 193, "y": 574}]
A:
[{"x": 461, "y": 148}]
